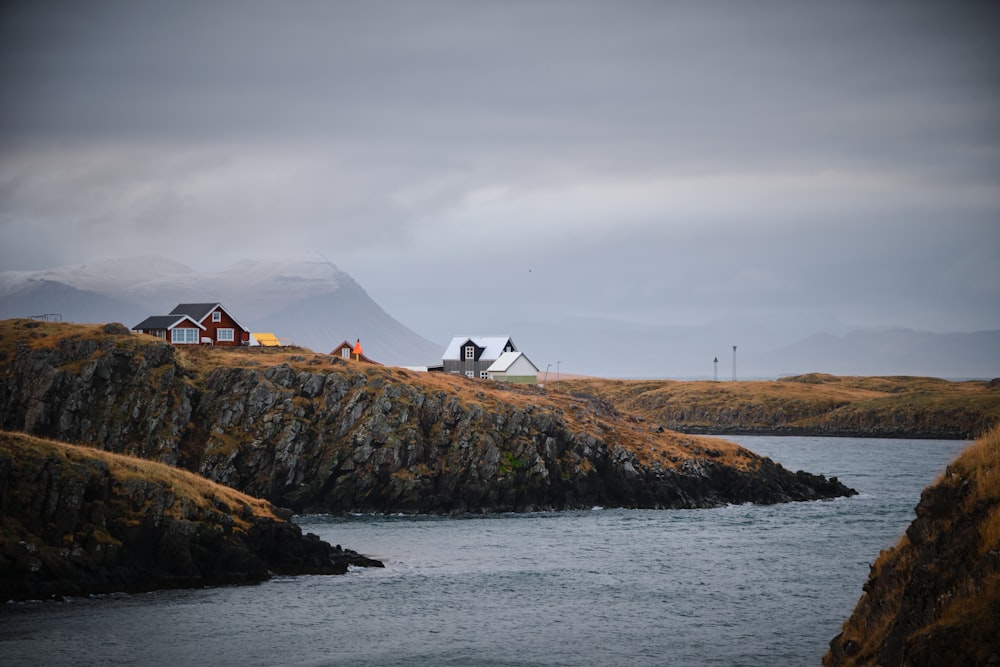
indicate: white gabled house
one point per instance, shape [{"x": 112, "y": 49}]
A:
[
  {"x": 513, "y": 367},
  {"x": 475, "y": 357}
]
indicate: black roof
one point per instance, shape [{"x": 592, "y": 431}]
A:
[
  {"x": 196, "y": 311},
  {"x": 160, "y": 322}
]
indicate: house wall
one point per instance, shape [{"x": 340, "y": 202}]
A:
[
  {"x": 522, "y": 367},
  {"x": 184, "y": 325},
  {"x": 240, "y": 336},
  {"x": 461, "y": 366},
  {"x": 521, "y": 371}
]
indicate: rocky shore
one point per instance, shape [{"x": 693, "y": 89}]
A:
[
  {"x": 75, "y": 521},
  {"x": 934, "y": 598},
  {"x": 318, "y": 433}
]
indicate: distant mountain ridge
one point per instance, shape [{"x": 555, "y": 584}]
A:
[
  {"x": 310, "y": 303},
  {"x": 614, "y": 349}
]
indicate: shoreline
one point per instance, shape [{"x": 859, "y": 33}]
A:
[{"x": 820, "y": 433}]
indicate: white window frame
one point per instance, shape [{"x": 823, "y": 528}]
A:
[
  {"x": 184, "y": 336},
  {"x": 225, "y": 335},
  {"x": 345, "y": 352},
  {"x": 217, "y": 316},
  {"x": 470, "y": 353},
  {"x": 470, "y": 374},
  {"x": 484, "y": 375}
]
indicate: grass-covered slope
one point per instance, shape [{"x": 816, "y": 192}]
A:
[
  {"x": 74, "y": 520},
  {"x": 315, "y": 432},
  {"x": 934, "y": 598},
  {"x": 813, "y": 404}
]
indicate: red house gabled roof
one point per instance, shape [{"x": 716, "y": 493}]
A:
[
  {"x": 199, "y": 311},
  {"x": 165, "y": 322}
]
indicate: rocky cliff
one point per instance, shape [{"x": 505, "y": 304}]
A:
[
  {"x": 77, "y": 521},
  {"x": 318, "y": 433},
  {"x": 934, "y": 599}
]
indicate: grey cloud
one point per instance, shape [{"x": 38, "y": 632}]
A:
[{"x": 646, "y": 160}]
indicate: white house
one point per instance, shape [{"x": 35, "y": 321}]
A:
[
  {"x": 473, "y": 355},
  {"x": 513, "y": 367}
]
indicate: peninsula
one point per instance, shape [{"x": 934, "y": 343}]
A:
[
  {"x": 318, "y": 433},
  {"x": 78, "y": 521}
]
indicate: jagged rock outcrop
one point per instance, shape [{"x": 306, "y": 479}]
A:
[
  {"x": 75, "y": 521},
  {"x": 313, "y": 432},
  {"x": 934, "y": 599}
]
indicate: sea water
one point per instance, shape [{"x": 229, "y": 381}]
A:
[{"x": 736, "y": 585}]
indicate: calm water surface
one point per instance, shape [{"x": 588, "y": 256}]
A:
[{"x": 739, "y": 585}]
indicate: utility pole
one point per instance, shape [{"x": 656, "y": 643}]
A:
[{"x": 734, "y": 363}]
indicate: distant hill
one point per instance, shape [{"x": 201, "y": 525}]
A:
[
  {"x": 766, "y": 350},
  {"x": 893, "y": 352},
  {"x": 310, "y": 303}
]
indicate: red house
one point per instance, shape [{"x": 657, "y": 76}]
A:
[{"x": 194, "y": 323}]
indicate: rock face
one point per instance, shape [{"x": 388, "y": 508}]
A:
[
  {"x": 317, "y": 433},
  {"x": 76, "y": 521},
  {"x": 934, "y": 599}
]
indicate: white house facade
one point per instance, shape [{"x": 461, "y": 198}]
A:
[
  {"x": 471, "y": 356},
  {"x": 513, "y": 367}
]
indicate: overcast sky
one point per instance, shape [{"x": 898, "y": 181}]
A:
[{"x": 657, "y": 162}]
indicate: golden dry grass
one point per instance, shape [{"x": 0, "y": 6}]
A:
[
  {"x": 180, "y": 483},
  {"x": 980, "y": 463},
  {"x": 800, "y": 401},
  {"x": 651, "y": 446},
  {"x": 970, "y": 610}
]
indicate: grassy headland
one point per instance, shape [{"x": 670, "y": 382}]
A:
[
  {"x": 812, "y": 404},
  {"x": 315, "y": 432},
  {"x": 76, "y": 521},
  {"x": 934, "y": 598}
]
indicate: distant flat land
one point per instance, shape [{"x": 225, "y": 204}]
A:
[{"x": 812, "y": 404}]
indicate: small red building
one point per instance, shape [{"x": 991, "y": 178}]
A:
[
  {"x": 195, "y": 323},
  {"x": 348, "y": 351}
]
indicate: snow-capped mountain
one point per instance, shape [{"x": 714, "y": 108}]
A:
[{"x": 310, "y": 303}]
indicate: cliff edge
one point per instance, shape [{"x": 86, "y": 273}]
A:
[
  {"x": 77, "y": 521},
  {"x": 323, "y": 434},
  {"x": 934, "y": 598}
]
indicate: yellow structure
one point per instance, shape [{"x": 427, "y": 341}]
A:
[{"x": 267, "y": 340}]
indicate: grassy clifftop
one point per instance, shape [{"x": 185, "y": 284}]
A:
[
  {"x": 320, "y": 433},
  {"x": 934, "y": 598},
  {"x": 74, "y": 520},
  {"x": 812, "y": 404}
]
